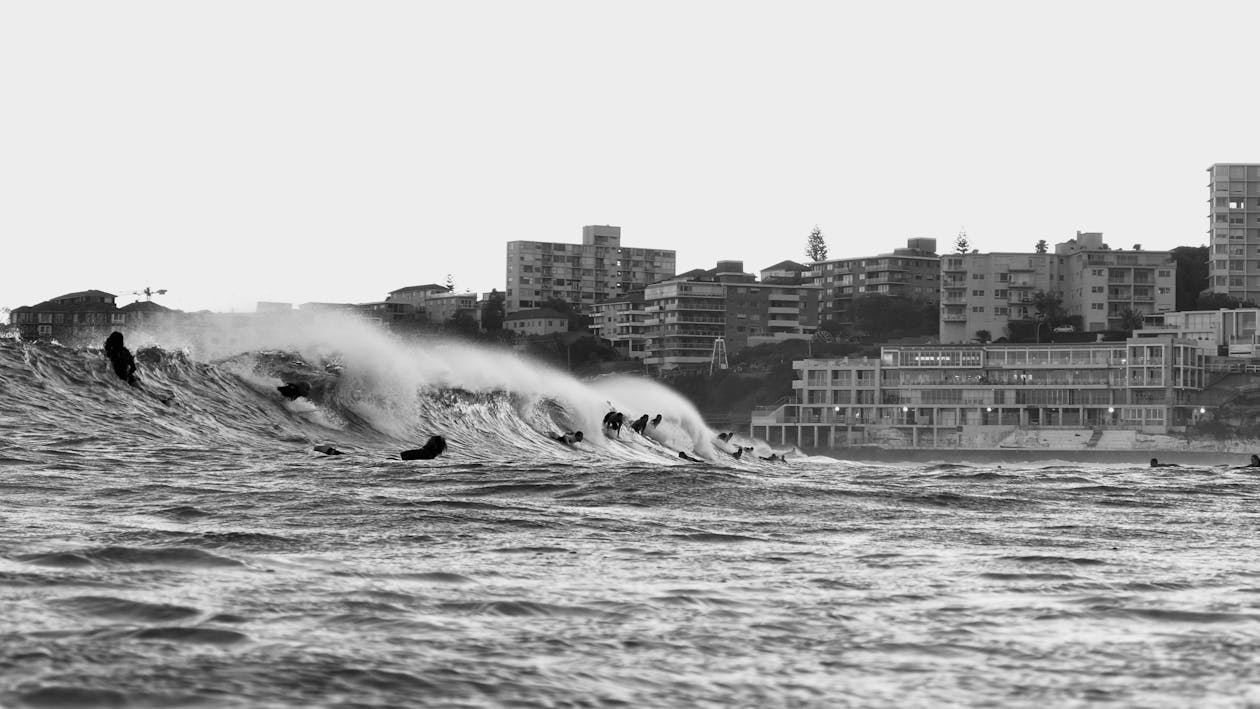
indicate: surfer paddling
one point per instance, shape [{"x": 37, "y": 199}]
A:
[{"x": 570, "y": 438}]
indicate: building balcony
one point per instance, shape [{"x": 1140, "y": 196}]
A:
[{"x": 949, "y": 317}]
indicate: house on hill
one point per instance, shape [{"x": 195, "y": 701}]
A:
[{"x": 73, "y": 316}]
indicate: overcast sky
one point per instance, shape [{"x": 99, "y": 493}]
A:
[{"x": 311, "y": 151}]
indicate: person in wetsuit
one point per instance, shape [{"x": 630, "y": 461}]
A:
[
  {"x": 434, "y": 447},
  {"x": 656, "y": 421},
  {"x": 570, "y": 438},
  {"x": 120, "y": 357},
  {"x": 640, "y": 424},
  {"x": 1156, "y": 464},
  {"x": 613, "y": 420}
]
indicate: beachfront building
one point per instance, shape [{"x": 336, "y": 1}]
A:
[
  {"x": 1217, "y": 332},
  {"x": 913, "y": 272},
  {"x": 69, "y": 318},
  {"x": 992, "y": 396},
  {"x": 582, "y": 274},
  {"x": 1234, "y": 229},
  {"x": 622, "y": 322},
  {"x": 1101, "y": 288},
  {"x": 685, "y": 316}
]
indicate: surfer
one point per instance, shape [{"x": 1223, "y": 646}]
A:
[
  {"x": 431, "y": 449},
  {"x": 328, "y": 450},
  {"x": 640, "y": 424},
  {"x": 293, "y": 391},
  {"x": 1255, "y": 463},
  {"x": 613, "y": 420},
  {"x": 1156, "y": 464},
  {"x": 739, "y": 452},
  {"x": 570, "y": 438},
  {"x": 120, "y": 357},
  {"x": 684, "y": 456},
  {"x": 656, "y": 421}
]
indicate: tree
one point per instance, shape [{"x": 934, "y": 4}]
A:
[
  {"x": 450, "y": 283},
  {"x": 1042, "y": 247},
  {"x": 1209, "y": 300},
  {"x": 1131, "y": 319},
  {"x": 493, "y": 311},
  {"x": 1192, "y": 274},
  {"x": 462, "y": 323},
  {"x": 983, "y": 336},
  {"x": 961, "y": 245},
  {"x": 816, "y": 249},
  {"x": 881, "y": 316},
  {"x": 1049, "y": 306}
]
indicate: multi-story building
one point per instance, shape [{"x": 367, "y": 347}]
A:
[
  {"x": 912, "y": 272},
  {"x": 441, "y": 307},
  {"x": 416, "y": 297},
  {"x": 1234, "y": 229},
  {"x": 1101, "y": 288},
  {"x": 683, "y": 317},
  {"x": 621, "y": 321},
  {"x": 1101, "y": 285},
  {"x": 581, "y": 274},
  {"x": 991, "y": 396},
  {"x": 72, "y": 318},
  {"x": 983, "y": 292}
]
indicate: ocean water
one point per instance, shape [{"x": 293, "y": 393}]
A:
[{"x": 200, "y": 554}]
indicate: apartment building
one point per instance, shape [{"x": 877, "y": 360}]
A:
[
  {"x": 622, "y": 322},
  {"x": 984, "y": 396},
  {"x": 983, "y": 292},
  {"x": 582, "y": 274},
  {"x": 683, "y": 317},
  {"x": 913, "y": 272},
  {"x": 1099, "y": 287},
  {"x": 1234, "y": 229}
]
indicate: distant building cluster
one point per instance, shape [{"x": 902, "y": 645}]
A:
[{"x": 1066, "y": 379}]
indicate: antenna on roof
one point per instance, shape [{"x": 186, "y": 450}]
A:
[{"x": 148, "y": 293}]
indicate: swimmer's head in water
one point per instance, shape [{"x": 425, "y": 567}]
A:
[{"x": 577, "y": 436}]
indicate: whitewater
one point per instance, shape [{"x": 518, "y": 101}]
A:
[{"x": 196, "y": 551}]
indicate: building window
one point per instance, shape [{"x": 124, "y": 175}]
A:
[
  {"x": 977, "y": 293},
  {"x": 1096, "y": 306},
  {"x": 977, "y": 276},
  {"x": 977, "y": 308}
]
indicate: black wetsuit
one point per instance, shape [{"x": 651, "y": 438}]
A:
[
  {"x": 432, "y": 449},
  {"x": 639, "y": 425},
  {"x": 120, "y": 357}
]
